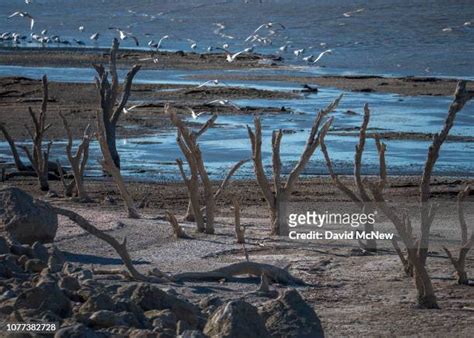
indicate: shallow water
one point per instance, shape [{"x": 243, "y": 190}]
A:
[
  {"x": 152, "y": 157},
  {"x": 387, "y": 37}
]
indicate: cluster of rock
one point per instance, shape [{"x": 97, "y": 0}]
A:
[{"x": 37, "y": 285}]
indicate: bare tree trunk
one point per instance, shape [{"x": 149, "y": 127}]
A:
[
  {"x": 20, "y": 166},
  {"x": 239, "y": 230},
  {"x": 109, "y": 94},
  {"x": 177, "y": 230},
  {"x": 278, "y": 197}
]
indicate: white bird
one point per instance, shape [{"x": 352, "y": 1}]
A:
[
  {"x": 298, "y": 52},
  {"x": 125, "y": 35},
  {"x": 155, "y": 60},
  {"x": 24, "y": 15},
  {"x": 265, "y": 25},
  {"x": 152, "y": 44},
  {"x": 81, "y": 29},
  {"x": 327, "y": 51},
  {"x": 447, "y": 29},
  {"x": 28, "y": 2},
  {"x": 193, "y": 43},
  {"x": 214, "y": 82},
  {"x": 223, "y": 102},
  {"x": 44, "y": 32},
  {"x": 95, "y": 36},
  {"x": 129, "y": 109},
  {"x": 193, "y": 113},
  {"x": 349, "y": 14},
  {"x": 161, "y": 41},
  {"x": 467, "y": 23},
  {"x": 309, "y": 58}
]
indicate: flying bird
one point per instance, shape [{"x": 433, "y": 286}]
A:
[
  {"x": 223, "y": 102},
  {"x": 267, "y": 25},
  {"x": 349, "y": 14},
  {"x": 129, "y": 109},
  {"x": 161, "y": 41},
  {"x": 193, "y": 43},
  {"x": 95, "y": 36},
  {"x": 24, "y": 15},
  {"x": 213, "y": 82},
  {"x": 327, "y": 51},
  {"x": 193, "y": 113},
  {"x": 81, "y": 29}
]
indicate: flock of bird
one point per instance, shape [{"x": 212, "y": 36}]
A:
[{"x": 263, "y": 35}]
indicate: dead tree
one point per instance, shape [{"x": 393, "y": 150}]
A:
[
  {"x": 177, "y": 229},
  {"x": 187, "y": 142},
  {"x": 38, "y": 157},
  {"x": 278, "y": 198},
  {"x": 361, "y": 197},
  {"x": 111, "y": 106},
  {"x": 20, "y": 166},
  {"x": 466, "y": 243},
  {"x": 417, "y": 250},
  {"x": 78, "y": 160},
  {"x": 239, "y": 230},
  {"x": 109, "y": 166}
]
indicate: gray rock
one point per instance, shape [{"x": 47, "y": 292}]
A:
[
  {"x": 40, "y": 251},
  {"x": 290, "y": 316},
  {"x": 97, "y": 302},
  {"x": 4, "y": 247},
  {"x": 192, "y": 334},
  {"x": 46, "y": 296},
  {"x": 69, "y": 283},
  {"x": 164, "y": 319},
  {"x": 236, "y": 319},
  {"x": 21, "y": 249},
  {"x": 25, "y": 219},
  {"x": 103, "y": 319},
  {"x": 34, "y": 265},
  {"x": 142, "y": 334},
  {"x": 77, "y": 331}
]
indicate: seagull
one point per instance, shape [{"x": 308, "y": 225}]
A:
[
  {"x": 164, "y": 37},
  {"x": 467, "y": 23},
  {"x": 265, "y": 25},
  {"x": 231, "y": 57},
  {"x": 327, "y": 51},
  {"x": 44, "y": 32},
  {"x": 193, "y": 43},
  {"x": 193, "y": 113},
  {"x": 349, "y": 14},
  {"x": 298, "y": 52},
  {"x": 28, "y": 2},
  {"x": 95, "y": 36},
  {"x": 24, "y": 15},
  {"x": 155, "y": 60},
  {"x": 125, "y": 35},
  {"x": 223, "y": 102},
  {"x": 214, "y": 82},
  {"x": 129, "y": 109},
  {"x": 152, "y": 44},
  {"x": 447, "y": 29},
  {"x": 81, "y": 29}
]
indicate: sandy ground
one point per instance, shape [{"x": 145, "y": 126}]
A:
[{"x": 353, "y": 295}]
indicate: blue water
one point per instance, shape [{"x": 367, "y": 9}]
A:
[
  {"x": 403, "y": 37},
  {"x": 385, "y": 38}
]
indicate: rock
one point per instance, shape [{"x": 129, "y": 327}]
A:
[
  {"x": 22, "y": 261},
  {"x": 56, "y": 256},
  {"x": 192, "y": 334},
  {"x": 103, "y": 319},
  {"x": 182, "y": 326},
  {"x": 290, "y": 316},
  {"x": 163, "y": 319},
  {"x": 236, "y": 319},
  {"x": 150, "y": 297},
  {"x": 4, "y": 247},
  {"x": 77, "y": 331},
  {"x": 210, "y": 304},
  {"x": 20, "y": 250},
  {"x": 39, "y": 251},
  {"x": 25, "y": 219},
  {"x": 10, "y": 263},
  {"x": 97, "y": 302},
  {"x": 69, "y": 283},
  {"x": 142, "y": 334},
  {"x": 34, "y": 265},
  {"x": 46, "y": 296}
]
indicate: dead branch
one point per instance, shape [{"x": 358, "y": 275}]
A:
[
  {"x": 78, "y": 160},
  {"x": 68, "y": 187},
  {"x": 278, "y": 197},
  {"x": 20, "y": 166},
  {"x": 111, "y": 106},
  {"x": 239, "y": 230},
  {"x": 273, "y": 273},
  {"x": 177, "y": 229},
  {"x": 459, "y": 263},
  {"x": 120, "y": 248}
]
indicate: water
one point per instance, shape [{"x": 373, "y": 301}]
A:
[{"x": 387, "y": 37}]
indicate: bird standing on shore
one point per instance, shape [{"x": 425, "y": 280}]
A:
[
  {"x": 24, "y": 15},
  {"x": 95, "y": 36}
]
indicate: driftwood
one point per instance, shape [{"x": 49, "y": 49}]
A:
[
  {"x": 120, "y": 248},
  {"x": 273, "y": 273},
  {"x": 78, "y": 160},
  {"x": 177, "y": 229},
  {"x": 111, "y": 106},
  {"x": 459, "y": 263},
  {"x": 278, "y": 198},
  {"x": 417, "y": 250},
  {"x": 187, "y": 142}
]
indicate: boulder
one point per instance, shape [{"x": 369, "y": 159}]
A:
[
  {"x": 46, "y": 296},
  {"x": 34, "y": 265},
  {"x": 236, "y": 319},
  {"x": 4, "y": 247},
  {"x": 98, "y": 302},
  {"x": 290, "y": 316},
  {"x": 77, "y": 331},
  {"x": 25, "y": 219},
  {"x": 39, "y": 251}
]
